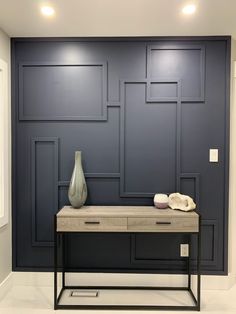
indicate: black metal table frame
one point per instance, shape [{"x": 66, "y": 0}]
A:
[{"x": 196, "y": 299}]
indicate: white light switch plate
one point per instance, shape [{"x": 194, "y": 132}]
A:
[{"x": 213, "y": 155}]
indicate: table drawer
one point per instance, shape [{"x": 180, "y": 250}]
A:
[
  {"x": 163, "y": 224},
  {"x": 73, "y": 224}
]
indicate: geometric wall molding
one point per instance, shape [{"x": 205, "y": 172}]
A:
[
  {"x": 144, "y": 119},
  {"x": 162, "y": 90},
  {"x": 210, "y": 230},
  {"x": 169, "y": 60},
  {"x": 209, "y": 248},
  {"x": 44, "y": 178},
  {"x": 172, "y": 85},
  {"x": 62, "y": 91},
  {"x": 93, "y": 176},
  {"x": 159, "y": 179},
  {"x": 209, "y": 244},
  {"x": 190, "y": 185},
  {"x": 157, "y": 257}
]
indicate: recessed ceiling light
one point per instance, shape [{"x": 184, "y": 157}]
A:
[
  {"x": 47, "y": 11},
  {"x": 189, "y": 9}
]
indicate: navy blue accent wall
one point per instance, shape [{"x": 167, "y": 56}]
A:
[{"x": 144, "y": 112}]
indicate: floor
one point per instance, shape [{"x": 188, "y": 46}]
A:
[{"x": 35, "y": 300}]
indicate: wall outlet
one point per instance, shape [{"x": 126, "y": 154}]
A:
[{"x": 184, "y": 250}]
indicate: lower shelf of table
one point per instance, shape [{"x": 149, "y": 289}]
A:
[{"x": 126, "y": 298}]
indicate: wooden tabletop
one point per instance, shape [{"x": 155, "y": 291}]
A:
[{"x": 122, "y": 211}]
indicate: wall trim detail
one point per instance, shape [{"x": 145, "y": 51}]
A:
[
  {"x": 151, "y": 99},
  {"x": 214, "y": 224},
  {"x": 23, "y": 117},
  {"x": 201, "y": 48},
  {"x": 34, "y": 141},
  {"x": 196, "y": 177},
  {"x": 123, "y": 192}
]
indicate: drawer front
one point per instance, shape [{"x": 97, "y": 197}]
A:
[
  {"x": 91, "y": 224},
  {"x": 163, "y": 224}
]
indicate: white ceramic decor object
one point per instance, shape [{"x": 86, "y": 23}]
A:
[
  {"x": 161, "y": 201},
  {"x": 181, "y": 202}
]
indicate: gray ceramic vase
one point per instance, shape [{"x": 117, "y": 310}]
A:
[{"x": 77, "y": 192}]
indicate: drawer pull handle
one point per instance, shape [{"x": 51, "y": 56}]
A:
[
  {"x": 163, "y": 223},
  {"x": 92, "y": 222}
]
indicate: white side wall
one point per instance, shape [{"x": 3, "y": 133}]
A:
[
  {"x": 232, "y": 171},
  {"x": 5, "y": 231}
]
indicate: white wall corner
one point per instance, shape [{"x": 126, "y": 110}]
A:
[{"x": 5, "y": 231}]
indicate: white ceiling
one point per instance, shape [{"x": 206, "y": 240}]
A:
[{"x": 19, "y": 18}]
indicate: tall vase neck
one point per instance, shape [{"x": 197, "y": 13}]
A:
[{"x": 78, "y": 156}]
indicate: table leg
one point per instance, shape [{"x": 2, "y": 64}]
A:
[
  {"x": 63, "y": 259},
  {"x": 189, "y": 261},
  {"x": 55, "y": 263},
  {"x": 199, "y": 266}
]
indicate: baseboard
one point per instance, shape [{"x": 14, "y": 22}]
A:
[
  {"x": 218, "y": 282},
  {"x": 46, "y": 279},
  {"x": 37, "y": 279},
  {"x": 6, "y": 285}
]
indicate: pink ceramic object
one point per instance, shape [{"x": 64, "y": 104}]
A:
[{"x": 161, "y": 201}]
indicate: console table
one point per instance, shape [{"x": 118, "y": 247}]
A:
[{"x": 131, "y": 219}]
